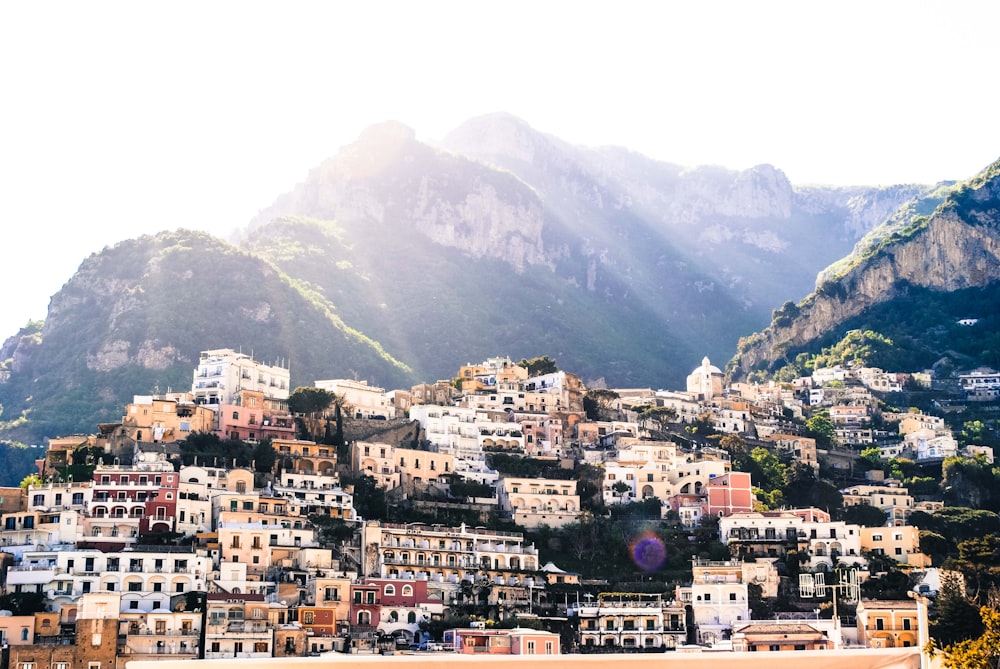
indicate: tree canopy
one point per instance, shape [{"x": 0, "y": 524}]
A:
[{"x": 539, "y": 366}]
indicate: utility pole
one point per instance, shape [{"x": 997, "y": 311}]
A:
[{"x": 811, "y": 585}]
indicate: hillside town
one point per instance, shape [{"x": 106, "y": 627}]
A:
[{"x": 157, "y": 552}]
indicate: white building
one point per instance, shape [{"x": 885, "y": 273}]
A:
[
  {"x": 452, "y": 429},
  {"x": 631, "y": 622},
  {"x": 222, "y": 373},
  {"x": 365, "y": 401},
  {"x": 931, "y": 444},
  {"x": 826, "y": 541},
  {"x": 981, "y": 385},
  {"x": 718, "y": 597},
  {"x": 147, "y": 577},
  {"x": 706, "y": 381}
]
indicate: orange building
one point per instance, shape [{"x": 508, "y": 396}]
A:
[{"x": 730, "y": 493}]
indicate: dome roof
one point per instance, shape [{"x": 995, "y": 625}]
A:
[{"x": 707, "y": 367}]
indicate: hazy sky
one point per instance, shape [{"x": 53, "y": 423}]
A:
[{"x": 124, "y": 118}]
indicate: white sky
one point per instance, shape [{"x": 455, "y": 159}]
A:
[{"x": 124, "y": 118}]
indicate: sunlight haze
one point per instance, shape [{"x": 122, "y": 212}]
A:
[{"x": 122, "y": 119}]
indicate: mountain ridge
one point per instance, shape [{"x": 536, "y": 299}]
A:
[{"x": 397, "y": 261}]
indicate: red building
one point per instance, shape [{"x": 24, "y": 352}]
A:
[
  {"x": 728, "y": 494},
  {"x": 148, "y": 499}
]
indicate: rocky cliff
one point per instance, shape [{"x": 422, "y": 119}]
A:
[{"x": 955, "y": 247}]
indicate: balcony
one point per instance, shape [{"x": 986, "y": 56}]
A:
[{"x": 181, "y": 633}]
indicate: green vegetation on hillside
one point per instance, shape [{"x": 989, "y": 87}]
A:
[{"x": 916, "y": 331}]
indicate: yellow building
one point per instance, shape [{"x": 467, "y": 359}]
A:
[
  {"x": 533, "y": 502},
  {"x": 304, "y": 457},
  {"x": 170, "y": 417},
  {"x": 887, "y": 623},
  {"x": 901, "y": 543}
]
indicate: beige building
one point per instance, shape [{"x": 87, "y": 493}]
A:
[
  {"x": 377, "y": 460},
  {"x": 656, "y": 469},
  {"x": 238, "y": 626},
  {"x": 158, "y": 634},
  {"x": 170, "y": 417},
  {"x": 534, "y": 502},
  {"x": 802, "y": 449},
  {"x": 901, "y": 543},
  {"x": 891, "y": 498}
]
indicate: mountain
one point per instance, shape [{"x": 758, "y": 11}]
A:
[
  {"x": 397, "y": 261},
  {"x": 935, "y": 261},
  {"x": 134, "y": 318},
  {"x": 618, "y": 265}
]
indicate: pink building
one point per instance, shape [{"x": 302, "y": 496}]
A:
[
  {"x": 517, "y": 641},
  {"x": 253, "y": 417}
]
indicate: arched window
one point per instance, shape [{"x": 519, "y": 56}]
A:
[
  {"x": 389, "y": 591},
  {"x": 411, "y": 617},
  {"x": 364, "y": 617},
  {"x": 407, "y": 591},
  {"x": 393, "y": 616}
]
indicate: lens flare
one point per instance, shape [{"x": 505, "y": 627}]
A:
[{"x": 648, "y": 552}]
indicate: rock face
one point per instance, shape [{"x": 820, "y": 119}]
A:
[
  {"x": 499, "y": 190},
  {"x": 956, "y": 247}
]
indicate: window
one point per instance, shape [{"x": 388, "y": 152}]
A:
[
  {"x": 549, "y": 648},
  {"x": 732, "y": 596},
  {"x": 531, "y": 648},
  {"x": 307, "y": 618}
]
